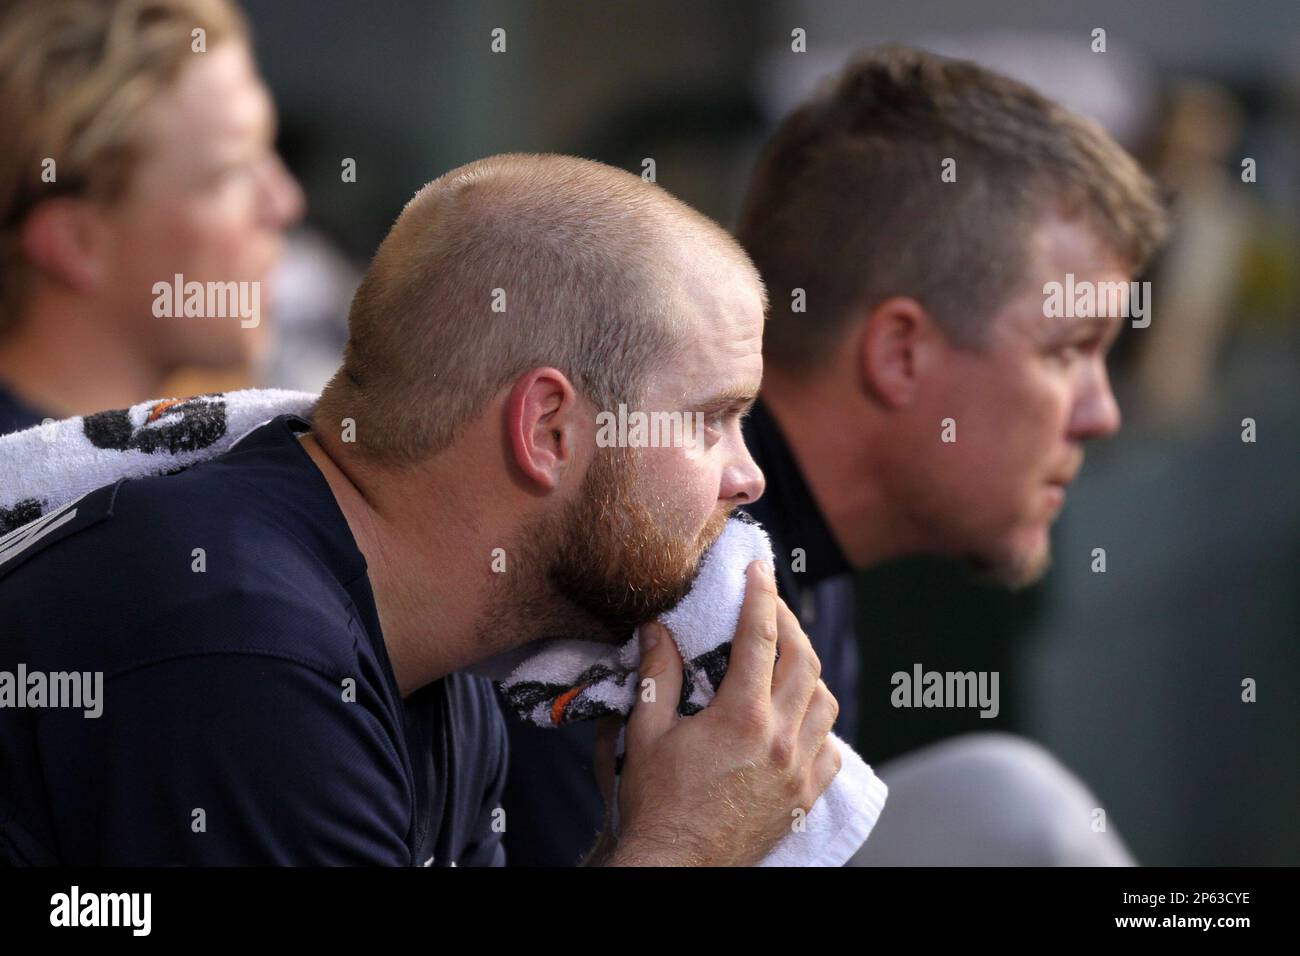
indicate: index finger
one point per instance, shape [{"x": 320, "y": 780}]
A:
[{"x": 753, "y": 648}]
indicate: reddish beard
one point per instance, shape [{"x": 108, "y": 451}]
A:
[{"x": 615, "y": 557}]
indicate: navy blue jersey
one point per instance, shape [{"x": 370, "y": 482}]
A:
[
  {"x": 551, "y": 798},
  {"x": 248, "y": 712},
  {"x": 15, "y": 414}
]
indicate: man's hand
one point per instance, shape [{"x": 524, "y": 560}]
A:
[{"x": 722, "y": 787}]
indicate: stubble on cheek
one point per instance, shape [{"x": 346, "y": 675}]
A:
[
  {"x": 1011, "y": 546},
  {"x": 622, "y": 559}
]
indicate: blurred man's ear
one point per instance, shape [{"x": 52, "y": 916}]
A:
[
  {"x": 63, "y": 238},
  {"x": 900, "y": 344}
]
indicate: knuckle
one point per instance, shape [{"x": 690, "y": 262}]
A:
[
  {"x": 818, "y": 780},
  {"x": 814, "y": 666},
  {"x": 827, "y": 699},
  {"x": 810, "y": 788},
  {"x": 766, "y": 631},
  {"x": 783, "y": 750},
  {"x": 650, "y": 671},
  {"x": 749, "y": 721},
  {"x": 655, "y": 667},
  {"x": 809, "y": 792}
]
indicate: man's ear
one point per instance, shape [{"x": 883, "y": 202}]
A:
[
  {"x": 542, "y": 418},
  {"x": 899, "y": 345},
  {"x": 62, "y": 238}
]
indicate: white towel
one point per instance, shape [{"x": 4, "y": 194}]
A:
[
  {"x": 48, "y": 465},
  {"x": 552, "y": 683},
  {"x": 566, "y": 680}
]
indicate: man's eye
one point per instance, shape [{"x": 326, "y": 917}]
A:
[
  {"x": 235, "y": 172},
  {"x": 220, "y": 178}
]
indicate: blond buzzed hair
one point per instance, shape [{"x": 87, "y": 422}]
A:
[
  {"x": 510, "y": 263},
  {"x": 75, "y": 79},
  {"x": 849, "y": 202}
]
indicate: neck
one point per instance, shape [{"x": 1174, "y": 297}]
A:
[
  {"x": 429, "y": 594},
  {"x": 839, "y": 456},
  {"x": 65, "y": 358}
]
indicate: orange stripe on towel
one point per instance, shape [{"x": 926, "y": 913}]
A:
[
  {"x": 156, "y": 412},
  {"x": 562, "y": 702}
]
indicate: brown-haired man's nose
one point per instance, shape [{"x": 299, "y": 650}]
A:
[{"x": 1096, "y": 412}]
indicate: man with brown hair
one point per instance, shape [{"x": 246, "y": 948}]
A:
[
  {"x": 302, "y": 698},
  {"x": 902, "y": 296},
  {"x": 909, "y": 221},
  {"x": 138, "y": 148},
  {"x": 918, "y": 399}
]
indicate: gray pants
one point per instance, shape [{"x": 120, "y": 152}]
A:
[{"x": 988, "y": 799}]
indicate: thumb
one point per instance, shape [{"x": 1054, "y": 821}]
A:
[{"x": 659, "y": 685}]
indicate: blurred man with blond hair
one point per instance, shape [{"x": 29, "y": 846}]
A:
[{"x": 138, "y": 149}]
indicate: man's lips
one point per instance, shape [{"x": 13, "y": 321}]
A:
[
  {"x": 1057, "y": 485},
  {"x": 1065, "y": 478},
  {"x": 1056, "y": 488}
]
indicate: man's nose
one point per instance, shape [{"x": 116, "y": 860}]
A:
[
  {"x": 742, "y": 480},
  {"x": 1096, "y": 412},
  {"x": 284, "y": 202}
]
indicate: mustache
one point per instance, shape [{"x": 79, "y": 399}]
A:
[{"x": 712, "y": 531}]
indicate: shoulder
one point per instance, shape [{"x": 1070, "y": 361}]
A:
[{"x": 189, "y": 563}]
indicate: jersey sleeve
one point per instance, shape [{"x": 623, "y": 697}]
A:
[{"x": 228, "y": 759}]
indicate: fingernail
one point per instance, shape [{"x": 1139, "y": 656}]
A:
[{"x": 649, "y": 634}]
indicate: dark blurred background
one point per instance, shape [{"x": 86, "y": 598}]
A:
[{"x": 1132, "y": 677}]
